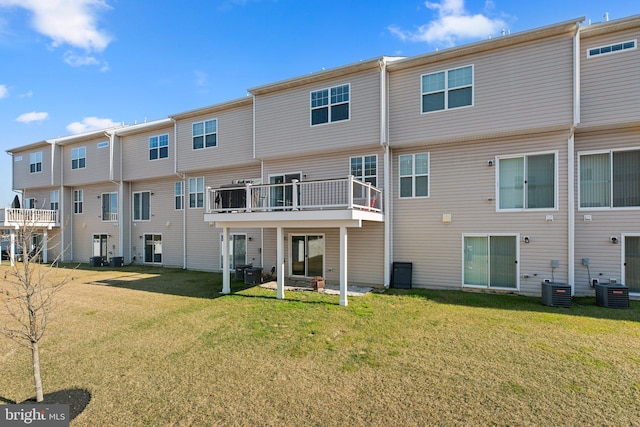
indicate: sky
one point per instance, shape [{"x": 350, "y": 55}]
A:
[{"x": 71, "y": 66}]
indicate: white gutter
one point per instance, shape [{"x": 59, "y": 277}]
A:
[
  {"x": 112, "y": 139},
  {"x": 387, "y": 250},
  {"x": 184, "y": 193},
  {"x": 571, "y": 244},
  {"x": 254, "y": 126}
]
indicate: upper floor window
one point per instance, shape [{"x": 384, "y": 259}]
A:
[
  {"x": 205, "y": 134},
  {"x": 142, "y": 206},
  {"x": 103, "y": 144},
  {"x": 330, "y": 105},
  {"x": 110, "y": 206},
  {"x": 196, "y": 192},
  {"x": 610, "y": 179},
  {"x": 30, "y": 203},
  {"x": 35, "y": 162},
  {"x": 54, "y": 200},
  {"x": 78, "y": 197},
  {"x": 527, "y": 182},
  {"x": 179, "y": 195},
  {"x": 78, "y": 158},
  {"x": 159, "y": 147},
  {"x": 447, "y": 89},
  {"x": 365, "y": 169},
  {"x": 612, "y": 48},
  {"x": 414, "y": 175}
]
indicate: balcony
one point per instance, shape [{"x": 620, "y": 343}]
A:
[
  {"x": 323, "y": 200},
  {"x": 14, "y": 218}
]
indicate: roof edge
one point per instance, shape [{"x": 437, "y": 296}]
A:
[{"x": 239, "y": 102}]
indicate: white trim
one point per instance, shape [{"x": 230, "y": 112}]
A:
[
  {"x": 329, "y": 105},
  {"x": 524, "y": 156},
  {"x": 413, "y": 176},
  {"x": 110, "y": 219},
  {"x": 446, "y": 89},
  {"x": 78, "y": 158},
  {"x": 488, "y": 235},
  {"x": 158, "y": 147},
  {"x": 204, "y": 190},
  {"x": 133, "y": 212},
  {"x": 102, "y": 144},
  {"x": 231, "y": 236},
  {"x": 623, "y": 255},
  {"x": 175, "y": 195},
  {"x": 144, "y": 248},
  {"x": 204, "y": 134},
  {"x": 364, "y": 176}
]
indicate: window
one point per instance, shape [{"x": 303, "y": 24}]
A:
[
  {"x": 109, "y": 206},
  {"x": 365, "y": 169},
  {"x": 237, "y": 250},
  {"x": 30, "y": 203},
  {"x": 527, "y": 182},
  {"x": 196, "y": 192},
  {"x": 610, "y": 179},
  {"x": 179, "y": 195},
  {"x": 142, "y": 206},
  {"x": 35, "y": 162},
  {"x": 54, "y": 200},
  {"x": 414, "y": 175},
  {"x": 490, "y": 261},
  {"x": 77, "y": 201},
  {"x": 159, "y": 147},
  {"x": 330, "y": 105},
  {"x": 78, "y": 158},
  {"x": 612, "y": 48},
  {"x": 205, "y": 134},
  {"x": 153, "y": 248},
  {"x": 447, "y": 89},
  {"x": 103, "y": 144}
]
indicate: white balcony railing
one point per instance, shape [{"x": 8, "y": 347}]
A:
[
  {"x": 343, "y": 193},
  {"x": 28, "y": 217}
]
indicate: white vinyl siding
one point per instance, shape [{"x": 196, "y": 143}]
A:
[
  {"x": 35, "y": 162},
  {"x": 142, "y": 206},
  {"x": 414, "y": 175},
  {"x": 610, "y": 179},
  {"x": 527, "y": 182},
  {"x": 448, "y": 89}
]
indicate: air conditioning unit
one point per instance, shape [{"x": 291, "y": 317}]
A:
[
  {"x": 612, "y": 295},
  {"x": 556, "y": 294}
]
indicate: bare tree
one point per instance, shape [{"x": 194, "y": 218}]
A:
[{"x": 27, "y": 295}]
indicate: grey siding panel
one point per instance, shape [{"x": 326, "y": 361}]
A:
[
  {"x": 23, "y": 178},
  {"x": 235, "y": 141},
  {"x": 593, "y": 237},
  {"x": 135, "y": 156},
  {"x": 97, "y": 163},
  {"x": 461, "y": 184},
  {"x": 283, "y": 123},
  {"x": 608, "y": 92},
  {"x": 513, "y": 90}
]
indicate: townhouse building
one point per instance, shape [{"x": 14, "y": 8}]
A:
[{"x": 490, "y": 166}]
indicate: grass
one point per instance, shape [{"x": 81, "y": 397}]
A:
[{"x": 161, "y": 347}]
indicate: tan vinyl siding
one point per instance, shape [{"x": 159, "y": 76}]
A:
[
  {"x": 135, "y": 156},
  {"x": 283, "y": 119},
  {"x": 461, "y": 183},
  {"x": 85, "y": 225},
  {"x": 516, "y": 88},
  {"x": 22, "y": 176},
  {"x": 593, "y": 237},
  {"x": 97, "y": 163},
  {"x": 234, "y": 141},
  {"x": 609, "y": 93},
  {"x": 164, "y": 220}
]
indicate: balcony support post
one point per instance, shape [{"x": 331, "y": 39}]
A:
[
  {"x": 343, "y": 266},
  {"x": 280, "y": 262},
  {"x": 12, "y": 249},
  {"x": 45, "y": 246},
  {"x": 248, "y": 197},
  {"x": 226, "y": 279},
  {"x": 294, "y": 194}
]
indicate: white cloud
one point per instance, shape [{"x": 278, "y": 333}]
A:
[
  {"x": 4, "y": 92},
  {"x": 84, "y": 60},
  {"x": 454, "y": 23},
  {"x": 202, "y": 78},
  {"x": 71, "y": 22},
  {"x": 28, "y": 94},
  {"x": 89, "y": 124},
  {"x": 32, "y": 117}
]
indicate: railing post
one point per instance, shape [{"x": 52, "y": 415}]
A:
[
  {"x": 368, "y": 184},
  {"x": 294, "y": 195},
  {"x": 248, "y": 197},
  {"x": 350, "y": 192},
  {"x": 208, "y": 201}
]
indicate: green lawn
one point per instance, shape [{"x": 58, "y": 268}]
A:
[{"x": 161, "y": 347}]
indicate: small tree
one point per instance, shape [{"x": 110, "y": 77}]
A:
[{"x": 27, "y": 293}]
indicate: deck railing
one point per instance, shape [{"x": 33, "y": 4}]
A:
[
  {"x": 19, "y": 217},
  {"x": 343, "y": 193}
]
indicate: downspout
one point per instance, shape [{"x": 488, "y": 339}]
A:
[
  {"x": 571, "y": 160},
  {"x": 184, "y": 191},
  {"x": 112, "y": 139},
  {"x": 387, "y": 172}
]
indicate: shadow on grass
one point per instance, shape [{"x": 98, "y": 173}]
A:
[
  {"x": 76, "y": 398},
  {"x": 581, "y": 306}
]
